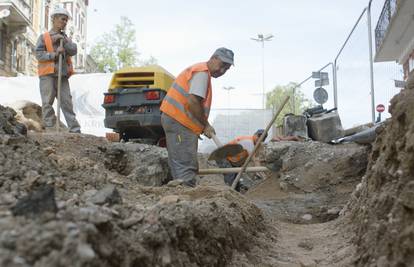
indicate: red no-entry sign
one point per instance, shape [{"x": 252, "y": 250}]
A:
[{"x": 380, "y": 108}]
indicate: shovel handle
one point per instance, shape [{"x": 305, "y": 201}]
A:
[{"x": 216, "y": 140}]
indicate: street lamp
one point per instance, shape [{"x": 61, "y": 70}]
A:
[
  {"x": 261, "y": 38},
  {"x": 228, "y": 88}
]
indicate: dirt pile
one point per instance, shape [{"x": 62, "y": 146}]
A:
[
  {"x": 9, "y": 125},
  {"x": 312, "y": 181},
  {"x": 382, "y": 207},
  {"x": 99, "y": 216},
  {"x": 28, "y": 113}
]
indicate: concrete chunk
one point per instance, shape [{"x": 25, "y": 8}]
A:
[
  {"x": 326, "y": 127},
  {"x": 295, "y": 125}
]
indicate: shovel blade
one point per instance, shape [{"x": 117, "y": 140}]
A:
[{"x": 225, "y": 151}]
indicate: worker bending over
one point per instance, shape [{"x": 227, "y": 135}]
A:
[
  {"x": 185, "y": 110},
  {"x": 248, "y": 143}
]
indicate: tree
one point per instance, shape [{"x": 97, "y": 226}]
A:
[
  {"x": 296, "y": 105},
  {"x": 117, "y": 49}
]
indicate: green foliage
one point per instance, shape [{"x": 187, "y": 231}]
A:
[
  {"x": 117, "y": 49},
  {"x": 296, "y": 105}
]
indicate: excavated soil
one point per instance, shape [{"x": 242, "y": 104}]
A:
[
  {"x": 382, "y": 208},
  {"x": 77, "y": 200}
]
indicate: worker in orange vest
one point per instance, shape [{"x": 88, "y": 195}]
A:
[
  {"x": 47, "y": 54},
  {"x": 248, "y": 143},
  {"x": 185, "y": 110}
]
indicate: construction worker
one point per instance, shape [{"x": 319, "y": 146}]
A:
[
  {"x": 186, "y": 108},
  {"x": 248, "y": 143},
  {"x": 47, "y": 53}
]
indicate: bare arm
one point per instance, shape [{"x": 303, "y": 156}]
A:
[{"x": 196, "y": 108}]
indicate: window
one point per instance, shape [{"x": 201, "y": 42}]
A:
[
  {"x": 14, "y": 55},
  {"x": 1, "y": 44},
  {"x": 46, "y": 17}
]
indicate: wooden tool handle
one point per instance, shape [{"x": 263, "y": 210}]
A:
[
  {"x": 243, "y": 168},
  {"x": 216, "y": 140}
]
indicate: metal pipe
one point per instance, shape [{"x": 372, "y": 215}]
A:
[
  {"x": 232, "y": 170},
  {"x": 335, "y": 85},
  {"x": 59, "y": 87},
  {"x": 350, "y": 34},
  {"x": 371, "y": 62}
]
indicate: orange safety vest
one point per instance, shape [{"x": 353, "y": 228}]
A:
[
  {"x": 175, "y": 103},
  {"x": 239, "y": 159},
  {"x": 48, "y": 67}
]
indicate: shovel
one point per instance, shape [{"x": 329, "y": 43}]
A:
[
  {"x": 224, "y": 151},
  {"x": 59, "y": 85}
]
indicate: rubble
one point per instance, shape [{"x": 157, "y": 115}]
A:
[
  {"x": 381, "y": 209},
  {"x": 36, "y": 202},
  {"x": 113, "y": 204},
  {"x": 311, "y": 178},
  {"x": 9, "y": 125}
]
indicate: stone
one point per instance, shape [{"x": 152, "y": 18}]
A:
[
  {"x": 307, "y": 263},
  {"x": 175, "y": 183},
  {"x": 283, "y": 186},
  {"x": 325, "y": 127},
  {"x": 295, "y": 125},
  {"x": 109, "y": 194},
  {"x": 85, "y": 252},
  {"x": 406, "y": 196},
  {"x": 131, "y": 221},
  {"x": 94, "y": 215},
  {"x": 334, "y": 211},
  {"x": 307, "y": 217},
  {"x": 36, "y": 202},
  {"x": 7, "y": 199},
  {"x": 49, "y": 150},
  {"x": 169, "y": 199},
  {"x": 306, "y": 244}
]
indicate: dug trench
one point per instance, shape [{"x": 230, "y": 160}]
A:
[{"x": 77, "y": 200}]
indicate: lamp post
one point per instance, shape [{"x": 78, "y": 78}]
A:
[
  {"x": 228, "y": 88},
  {"x": 261, "y": 38}
]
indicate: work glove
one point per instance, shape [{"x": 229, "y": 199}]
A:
[
  {"x": 209, "y": 131},
  {"x": 56, "y": 37}
]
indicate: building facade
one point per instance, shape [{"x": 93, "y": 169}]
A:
[
  {"x": 394, "y": 34},
  {"x": 22, "y": 21},
  {"x": 17, "y": 38}
]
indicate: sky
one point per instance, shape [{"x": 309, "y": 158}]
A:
[{"x": 307, "y": 36}]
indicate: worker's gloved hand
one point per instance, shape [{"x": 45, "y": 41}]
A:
[
  {"x": 209, "y": 131},
  {"x": 57, "y": 37},
  {"x": 60, "y": 50}
]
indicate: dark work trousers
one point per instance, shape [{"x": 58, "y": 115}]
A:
[
  {"x": 182, "y": 145},
  {"x": 48, "y": 93}
]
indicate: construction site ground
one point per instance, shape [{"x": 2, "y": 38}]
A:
[{"x": 79, "y": 200}]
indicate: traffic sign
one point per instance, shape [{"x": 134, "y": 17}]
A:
[
  {"x": 380, "y": 108},
  {"x": 321, "y": 82},
  {"x": 320, "y": 95},
  {"x": 320, "y": 75}
]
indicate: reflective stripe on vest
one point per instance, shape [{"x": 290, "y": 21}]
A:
[
  {"x": 175, "y": 103},
  {"x": 48, "y": 67},
  {"x": 238, "y": 160}
]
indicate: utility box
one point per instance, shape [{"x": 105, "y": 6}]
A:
[
  {"x": 325, "y": 127},
  {"x": 295, "y": 125}
]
